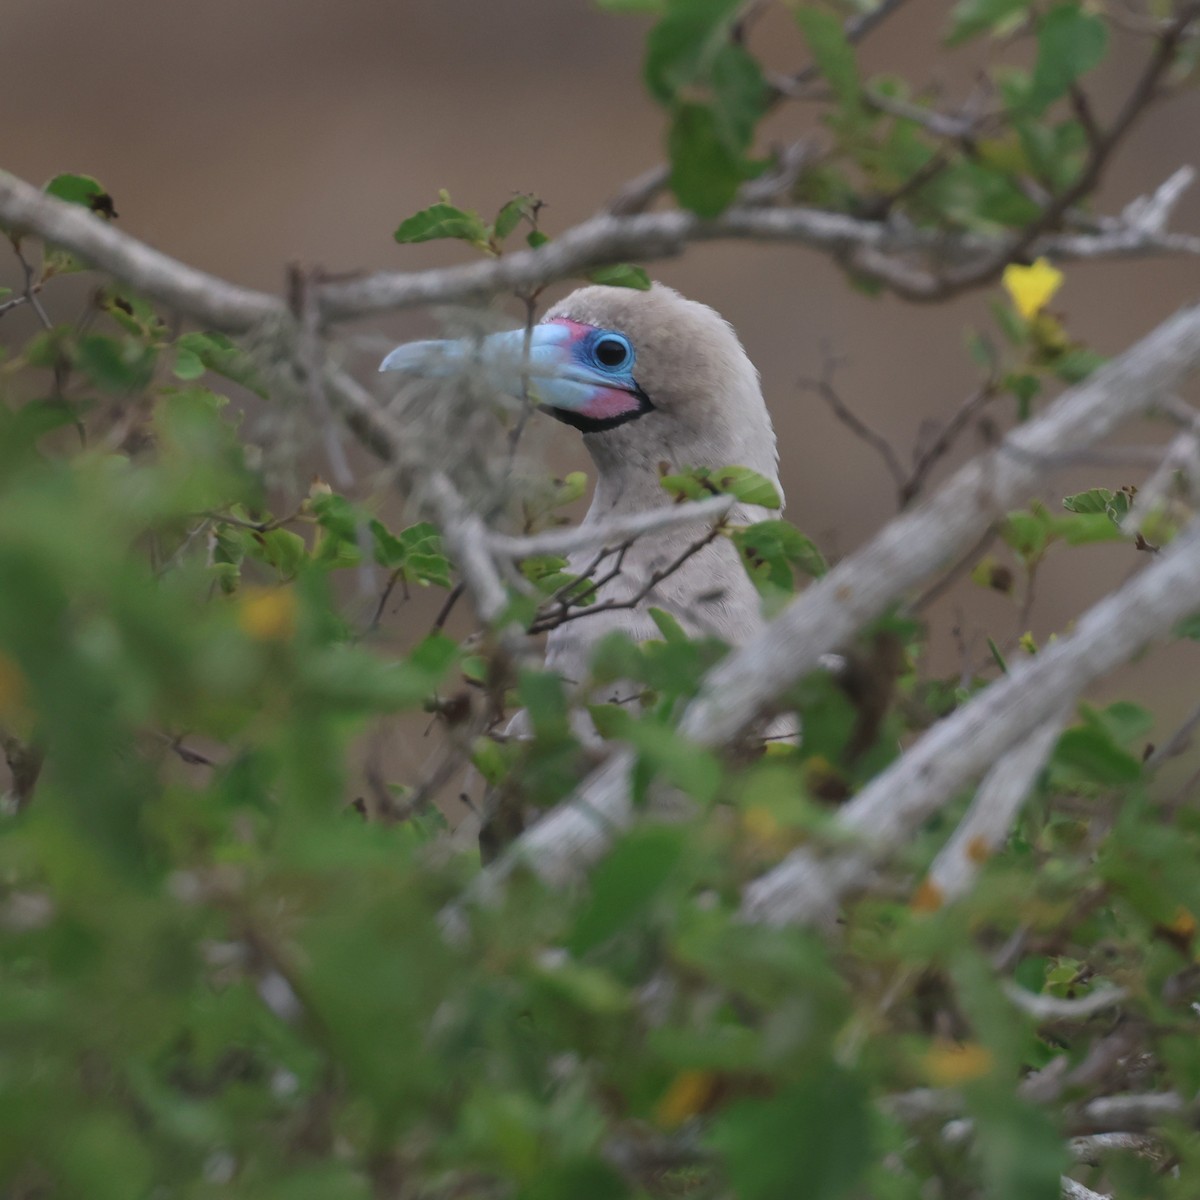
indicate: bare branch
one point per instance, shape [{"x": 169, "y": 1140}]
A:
[
  {"x": 1072, "y": 1190},
  {"x": 858, "y": 589},
  {"x": 1130, "y": 1111},
  {"x": 1055, "y": 1008},
  {"x": 989, "y": 820},
  {"x": 824, "y": 388},
  {"x": 219, "y": 305},
  {"x": 543, "y": 624},
  {"x": 611, "y": 531},
  {"x": 464, "y": 531},
  {"x": 1091, "y": 1148},
  {"x": 882, "y": 249},
  {"x": 889, "y": 809}
]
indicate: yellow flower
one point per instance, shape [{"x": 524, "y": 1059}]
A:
[
  {"x": 1183, "y": 924},
  {"x": 927, "y": 898},
  {"x": 949, "y": 1063},
  {"x": 267, "y": 614},
  {"x": 689, "y": 1092},
  {"x": 760, "y": 824},
  {"x": 1031, "y": 288}
]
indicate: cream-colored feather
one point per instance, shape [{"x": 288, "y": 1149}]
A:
[{"x": 708, "y": 412}]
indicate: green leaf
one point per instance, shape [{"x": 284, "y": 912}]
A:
[
  {"x": 1082, "y": 529},
  {"x": 84, "y": 190},
  {"x": 668, "y": 626},
  {"x": 682, "y": 47},
  {"x": 706, "y": 171},
  {"x": 716, "y": 93},
  {"x": 90, "y": 194},
  {"x": 769, "y": 551},
  {"x": 1189, "y": 627},
  {"x": 1076, "y": 365},
  {"x": 443, "y": 220},
  {"x": 972, "y": 17},
  {"x": 1114, "y": 505},
  {"x": 688, "y": 766},
  {"x": 284, "y": 550},
  {"x": 621, "y": 275},
  {"x": 116, "y": 365},
  {"x": 1090, "y": 753},
  {"x": 511, "y": 215},
  {"x": 625, "y": 884},
  {"x": 221, "y": 355},
  {"x": 1070, "y": 43},
  {"x": 1027, "y": 533},
  {"x": 188, "y": 365},
  {"x": 833, "y": 54},
  {"x": 542, "y": 696},
  {"x": 1122, "y": 721},
  {"x": 536, "y": 238},
  {"x": 1022, "y": 1152},
  {"x": 818, "y": 1131},
  {"x": 746, "y": 485}
]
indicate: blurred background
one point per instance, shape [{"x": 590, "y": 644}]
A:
[{"x": 244, "y": 135}]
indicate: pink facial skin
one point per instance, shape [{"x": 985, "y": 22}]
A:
[{"x": 590, "y": 399}]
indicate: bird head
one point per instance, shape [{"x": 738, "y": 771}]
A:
[{"x": 647, "y": 376}]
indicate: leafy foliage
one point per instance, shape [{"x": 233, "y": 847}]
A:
[{"x": 226, "y": 964}]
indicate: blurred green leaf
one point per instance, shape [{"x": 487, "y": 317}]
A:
[
  {"x": 818, "y": 1131},
  {"x": 969, "y": 18},
  {"x": 1090, "y": 753},
  {"x": 621, "y": 275},
  {"x": 511, "y": 215},
  {"x": 746, "y": 485},
  {"x": 1070, "y": 43},
  {"x": 832, "y": 53},
  {"x": 706, "y": 171}
]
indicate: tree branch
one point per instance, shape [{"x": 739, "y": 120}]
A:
[
  {"x": 894, "y": 804},
  {"x": 988, "y": 821},
  {"x": 612, "y": 531},
  {"x": 209, "y": 300},
  {"x": 885, "y": 250},
  {"x": 903, "y": 554}
]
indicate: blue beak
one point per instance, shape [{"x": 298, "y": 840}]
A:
[{"x": 559, "y": 364}]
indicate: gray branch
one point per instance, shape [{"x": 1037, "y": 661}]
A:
[
  {"x": 902, "y": 555},
  {"x": 986, "y": 825},
  {"x": 893, "y": 251},
  {"x": 1046, "y": 1008},
  {"x": 611, "y": 532},
  {"x": 211, "y": 301},
  {"x": 894, "y": 804}
]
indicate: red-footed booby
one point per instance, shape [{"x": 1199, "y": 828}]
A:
[{"x": 654, "y": 382}]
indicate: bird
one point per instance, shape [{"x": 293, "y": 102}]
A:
[{"x": 655, "y": 383}]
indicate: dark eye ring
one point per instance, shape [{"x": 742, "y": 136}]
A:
[{"x": 611, "y": 352}]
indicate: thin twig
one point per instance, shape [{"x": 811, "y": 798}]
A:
[
  {"x": 611, "y": 531},
  {"x": 824, "y": 388},
  {"x": 544, "y": 625}
]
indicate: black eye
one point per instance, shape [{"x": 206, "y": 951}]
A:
[{"x": 612, "y": 351}]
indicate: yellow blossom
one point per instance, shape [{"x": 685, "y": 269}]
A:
[
  {"x": 267, "y": 614},
  {"x": 1031, "y": 288},
  {"x": 760, "y": 823},
  {"x": 927, "y": 898},
  {"x": 948, "y": 1064},
  {"x": 688, "y": 1094},
  {"x": 1183, "y": 924}
]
